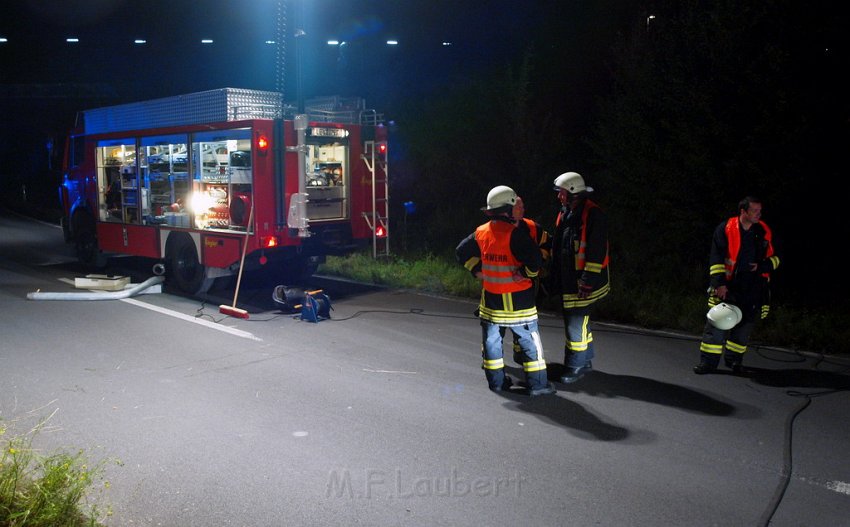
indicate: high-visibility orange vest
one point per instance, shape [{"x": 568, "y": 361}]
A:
[
  {"x": 498, "y": 263},
  {"x": 733, "y": 243}
]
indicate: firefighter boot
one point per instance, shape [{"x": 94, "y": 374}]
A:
[
  {"x": 736, "y": 364},
  {"x": 506, "y": 385},
  {"x": 706, "y": 365},
  {"x": 548, "y": 389},
  {"x": 573, "y": 374},
  {"x": 538, "y": 383}
]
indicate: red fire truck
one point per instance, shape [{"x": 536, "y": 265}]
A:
[{"x": 192, "y": 180}]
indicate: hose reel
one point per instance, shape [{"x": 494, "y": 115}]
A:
[{"x": 315, "y": 305}]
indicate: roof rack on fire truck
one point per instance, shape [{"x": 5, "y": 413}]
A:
[
  {"x": 337, "y": 109},
  {"x": 224, "y": 104}
]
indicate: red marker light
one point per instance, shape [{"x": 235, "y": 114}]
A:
[
  {"x": 269, "y": 241},
  {"x": 380, "y": 232},
  {"x": 382, "y": 148},
  {"x": 262, "y": 144}
]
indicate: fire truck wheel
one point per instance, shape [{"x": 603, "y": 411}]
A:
[
  {"x": 183, "y": 270},
  {"x": 66, "y": 228},
  {"x": 85, "y": 241}
]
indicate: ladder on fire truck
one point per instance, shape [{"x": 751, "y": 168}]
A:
[
  {"x": 374, "y": 155},
  {"x": 336, "y": 109}
]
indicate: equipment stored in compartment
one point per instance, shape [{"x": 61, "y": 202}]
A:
[{"x": 178, "y": 178}]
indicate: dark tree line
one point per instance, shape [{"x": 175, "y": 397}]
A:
[{"x": 700, "y": 105}]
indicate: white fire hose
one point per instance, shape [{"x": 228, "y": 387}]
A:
[{"x": 106, "y": 295}]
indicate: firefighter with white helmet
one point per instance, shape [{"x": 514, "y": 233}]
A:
[
  {"x": 500, "y": 197},
  {"x": 578, "y": 269},
  {"x": 741, "y": 262},
  {"x": 506, "y": 260},
  {"x": 572, "y": 182}
]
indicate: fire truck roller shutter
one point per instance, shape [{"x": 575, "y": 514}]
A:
[{"x": 183, "y": 269}]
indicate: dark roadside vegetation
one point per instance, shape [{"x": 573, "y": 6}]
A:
[{"x": 693, "y": 110}]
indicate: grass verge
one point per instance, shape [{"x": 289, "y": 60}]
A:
[
  {"x": 54, "y": 490},
  {"x": 428, "y": 273},
  {"x": 631, "y": 302}
]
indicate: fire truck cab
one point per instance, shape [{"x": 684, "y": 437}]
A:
[{"x": 190, "y": 181}]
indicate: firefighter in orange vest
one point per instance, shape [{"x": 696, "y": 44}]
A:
[
  {"x": 544, "y": 243},
  {"x": 579, "y": 269},
  {"x": 506, "y": 259},
  {"x": 741, "y": 261}
]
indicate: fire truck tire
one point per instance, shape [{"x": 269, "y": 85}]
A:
[
  {"x": 66, "y": 228},
  {"x": 85, "y": 241},
  {"x": 183, "y": 269}
]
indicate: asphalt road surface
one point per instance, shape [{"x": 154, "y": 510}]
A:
[{"x": 380, "y": 416}]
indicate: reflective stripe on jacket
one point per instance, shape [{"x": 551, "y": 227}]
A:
[
  {"x": 507, "y": 309},
  {"x": 498, "y": 263},
  {"x": 571, "y": 241},
  {"x": 581, "y": 253},
  {"x": 733, "y": 239},
  {"x": 726, "y": 249}
]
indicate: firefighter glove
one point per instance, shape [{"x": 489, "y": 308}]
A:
[{"x": 584, "y": 289}]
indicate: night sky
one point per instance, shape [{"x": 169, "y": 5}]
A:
[
  {"x": 482, "y": 35},
  {"x": 45, "y": 80}
]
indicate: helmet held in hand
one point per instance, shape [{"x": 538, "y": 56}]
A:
[{"x": 724, "y": 316}]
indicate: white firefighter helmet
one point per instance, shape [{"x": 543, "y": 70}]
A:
[
  {"x": 572, "y": 182},
  {"x": 499, "y": 197},
  {"x": 724, "y": 316}
]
